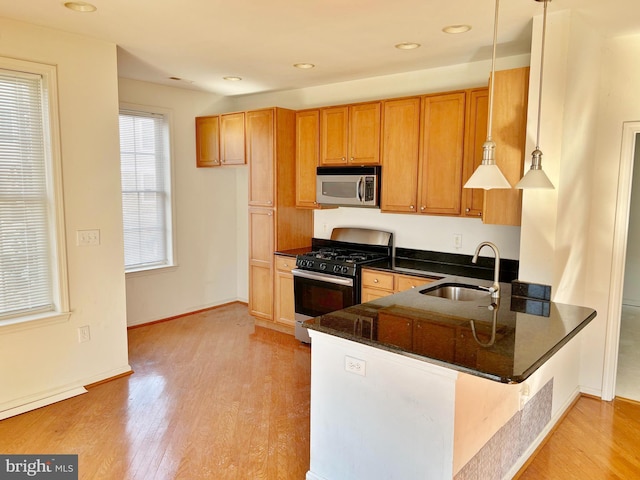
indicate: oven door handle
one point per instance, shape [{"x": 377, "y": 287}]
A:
[{"x": 322, "y": 277}]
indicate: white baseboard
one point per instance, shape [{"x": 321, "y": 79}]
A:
[
  {"x": 41, "y": 402},
  {"x": 49, "y": 397}
]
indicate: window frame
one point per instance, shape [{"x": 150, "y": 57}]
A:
[
  {"x": 55, "y": 205},
  {"x": 170, "y": 218}
]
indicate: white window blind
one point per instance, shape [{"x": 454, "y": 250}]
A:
[
  {"x": 26, "y": 260},
  {"x": 146, "y": 201}
]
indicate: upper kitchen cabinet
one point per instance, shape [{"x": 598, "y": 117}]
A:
[
  {"x": 511, "y": 90},
  {"x": 232, "y": 133},
  {"x": 307, "y": 157},
  {"x": 400, "y": 154},
  {"x": 270, "y": 147},
  {"x": 350, "y": 134},
  {"x": 441, "y": 153},
  {"x": 422, "y": 154},
  {"x": 207, "y": 141},
  {"x": 476, "y": 134}
]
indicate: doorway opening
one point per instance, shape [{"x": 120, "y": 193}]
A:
[{"x": 630, "y": 145}]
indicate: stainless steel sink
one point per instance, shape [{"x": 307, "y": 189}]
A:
[{"x": 457, "y": 291}]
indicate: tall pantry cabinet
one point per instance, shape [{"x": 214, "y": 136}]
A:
[{"x": 274, "y": 222}]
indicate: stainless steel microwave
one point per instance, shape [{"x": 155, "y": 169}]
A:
[{"x": 348, "y": 186}]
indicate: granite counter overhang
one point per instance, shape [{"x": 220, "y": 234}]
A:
[{"x": 459, "y": 334}]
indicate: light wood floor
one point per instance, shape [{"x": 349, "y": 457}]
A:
[{"x": 214, "y": 397}]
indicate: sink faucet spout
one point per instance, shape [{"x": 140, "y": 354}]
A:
[{"x": 495, "y": 288}]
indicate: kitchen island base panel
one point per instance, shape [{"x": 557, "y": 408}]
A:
[
  {"x": 409, "y": 418},
  {"x": 396, "y": 421}
]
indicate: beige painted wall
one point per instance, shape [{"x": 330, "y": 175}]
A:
[
  {"x": 619, "y": 102},
  {"x": 39, "y": 362},
  {"x": 208, "y": 220}
]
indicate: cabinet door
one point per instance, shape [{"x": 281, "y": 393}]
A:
[
  {"x": 440, "y": 181},
  {"x": 395, "y": 330},
  {"x": 364, "y": 134},
  {"x": 476, "y": 134},
  {"x": 261, "y": 240},
  {"x": 511, "y": 91},
  {"x": 334, "y": 125},
  {"x": 207, "y": 141},
  {"x": 284, "y": 301},
  {"x": 400, "y": 155},
  {"x": 407, "y": 282},
  {"x": 434, "y": 340},
  {"x": 307, "y": 157},
  {"x": 232, "y": 139},
  {"x": 260, "y": 151}
]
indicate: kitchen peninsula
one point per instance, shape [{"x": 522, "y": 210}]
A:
[{"x": 417, "y": 386}]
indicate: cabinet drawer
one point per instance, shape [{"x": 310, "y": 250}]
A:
[
  {"x": 375, "y": 279},
  {"x": 405, "y": 282},
  {"x": 285, "y": 264}
]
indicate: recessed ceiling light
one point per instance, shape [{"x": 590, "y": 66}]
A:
[
  {"x": 304, "y": 65},
  {"x": 232, "y": 79},
  {"x": 407, "y": 45},
  {"x": 456, "y": 28},
  {"x": 80, "y": 6}
]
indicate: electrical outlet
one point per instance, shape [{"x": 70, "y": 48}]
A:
[
  {"x": 84, "y": 334},
  {"x": 87, "y": 237},
  {"x": 355, "y": 365},
  {"x": 457, "y": 240}
]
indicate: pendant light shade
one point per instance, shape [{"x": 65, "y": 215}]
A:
[
  {"x": 535, "y": 178},
  {"x": 488, "y": 174}
]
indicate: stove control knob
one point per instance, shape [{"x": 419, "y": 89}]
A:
[
  {"x": 323, "y": 266},
  {"x": 336, "y": 269},
  {"x": 345, "y": 269}
]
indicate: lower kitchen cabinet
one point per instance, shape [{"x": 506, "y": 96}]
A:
[
  {"x": 261, "y": 235},
  {"x": 378, "y": 284},
  {"x": 283, "y": 286}
]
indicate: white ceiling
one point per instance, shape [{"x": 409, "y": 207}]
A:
[{"x": 202, "y": 41}]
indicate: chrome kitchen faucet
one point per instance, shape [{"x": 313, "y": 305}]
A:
[{"x": 495, "y": 288}]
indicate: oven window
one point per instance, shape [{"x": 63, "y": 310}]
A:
[{"x": 314, "y": 298}]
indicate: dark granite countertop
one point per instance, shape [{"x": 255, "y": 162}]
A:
[
  {"x": 499, "y": 342},
  {"x": 294, "y": 251}
]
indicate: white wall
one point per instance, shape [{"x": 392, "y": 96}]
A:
[
  {"x": 39, "y": 362},
  {"x": 423, "y": 232},
  {"x": 208, "y": 217},
  {"x": 619, "y": 102},
  {"x": 632, "y": 266}
]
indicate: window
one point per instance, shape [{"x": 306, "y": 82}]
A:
[
  {"x": 146, "y": 189},
  {"x": 32, "y": 262}
]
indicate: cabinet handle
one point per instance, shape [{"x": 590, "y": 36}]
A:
[
  {"x": 412, "y": 207},
  {"x": 269, "y": 202},
  {"x": 467, "y": 210},
  {"x": 270, "y": 214},
  {"x": 423, "y": 208},
  {"x": 344, "y": 159},
  {"x": 375, "y": 280}
]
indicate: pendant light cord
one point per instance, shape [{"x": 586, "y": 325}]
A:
[
  {"x": 493, "y": 71},
  {"x": 544, "y": 33}
]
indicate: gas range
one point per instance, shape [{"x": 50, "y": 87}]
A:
[
  {"x": 327, "y": 278},
  {"x": 337, "y": 260}
]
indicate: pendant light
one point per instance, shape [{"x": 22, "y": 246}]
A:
[
  {"x": 535, "y": 177},
  {"x": 488, "y": 174}
]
